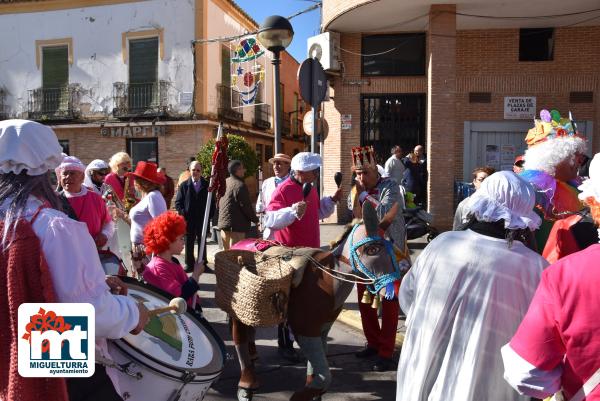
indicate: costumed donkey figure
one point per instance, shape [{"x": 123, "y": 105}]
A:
[{"x": 363, "y": 256}]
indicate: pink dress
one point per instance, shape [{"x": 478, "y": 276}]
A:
[
  {"x": 91, "y": 210},
  {"x": 562, "y": 324},
  {"x": 303, "y": 232},
  {"x": 168, "y": 276}
]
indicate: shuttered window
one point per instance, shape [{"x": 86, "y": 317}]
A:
[
  {"x": 143, "y": 74},
  {"x": 143, "y": 60},
  {"x": 225, "y": 66},
  {"x": 55, "y": 67}
]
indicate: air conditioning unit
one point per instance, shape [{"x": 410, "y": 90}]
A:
[{"x": 325, "y": 47}]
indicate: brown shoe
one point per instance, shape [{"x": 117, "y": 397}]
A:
[{"x": 307, "y": 394}]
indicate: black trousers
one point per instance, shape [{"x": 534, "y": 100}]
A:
[
  {"x": 99, "y": 387},
  {"x": 284, "y": 339},
  {"x": 190, "y": 239}
]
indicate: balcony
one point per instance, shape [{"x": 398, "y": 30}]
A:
[
  {"x": 262, "y": 116},
  {"x": 229, "y": 101},
  {"x": 148, "y": 99},
  {"x": 53, "y": 103}
]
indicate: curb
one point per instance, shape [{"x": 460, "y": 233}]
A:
[{"x": 352, "y": 318}]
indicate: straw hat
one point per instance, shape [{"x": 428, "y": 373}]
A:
[{"x": 281, "y": 157}]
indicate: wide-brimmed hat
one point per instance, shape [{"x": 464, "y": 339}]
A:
[
  {"x": 147, "y": 171},
  {"x": 281, "y": 157}
]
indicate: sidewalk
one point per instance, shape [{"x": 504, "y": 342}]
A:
[{"x": 350, "y": 315}]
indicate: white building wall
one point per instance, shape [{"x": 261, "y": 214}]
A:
[
  {"x": 97, "y": 49},
  {"x": 221, "y": 25}
]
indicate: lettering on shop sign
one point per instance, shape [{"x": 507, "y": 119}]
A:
[
  {"x": 519, "y": 107},
  {"x": 135, "y": 131}
]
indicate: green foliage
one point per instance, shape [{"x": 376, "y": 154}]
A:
[{"x": 238, "y": 149}]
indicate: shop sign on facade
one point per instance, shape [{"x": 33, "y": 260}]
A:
[
  {"x": 519, "y": 107},
  {"x": 134, "y": 131},
  {"x": 346, "y": 121}
]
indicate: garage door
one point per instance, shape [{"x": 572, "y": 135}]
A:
[{"x": 497, "y": 143}]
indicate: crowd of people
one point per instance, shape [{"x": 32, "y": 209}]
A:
[{"x": 500, "y": 308}]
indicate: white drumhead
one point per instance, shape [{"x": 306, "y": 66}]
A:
[{"x": 181, "y": 341}]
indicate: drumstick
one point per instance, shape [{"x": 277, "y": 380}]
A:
[{"x": 176, "y": 305}]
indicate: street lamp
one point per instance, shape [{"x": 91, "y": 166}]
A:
[{"x": 276, "y": 34}]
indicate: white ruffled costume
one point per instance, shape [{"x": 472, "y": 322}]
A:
[{"x": 464, "y": 298}]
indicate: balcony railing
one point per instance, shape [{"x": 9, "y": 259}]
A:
[
  {"x": 228, "y": 100},
  {"x": 149, "y": 99},
  {"x": 262, "y": 116},
  {"x": 53, "y": 103}
]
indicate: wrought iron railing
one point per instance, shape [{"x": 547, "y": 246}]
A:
[
  {"x": 229, "y": 100},
  {"x": 140, "y": 99},
  {"x": 262, "y": 116},
  {"x": 53, "y": 103}
]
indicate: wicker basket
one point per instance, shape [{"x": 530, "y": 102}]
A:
[{"x": 252, "y": 288}]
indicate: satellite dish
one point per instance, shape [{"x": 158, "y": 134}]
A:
[{"x": 315, "y": 51}]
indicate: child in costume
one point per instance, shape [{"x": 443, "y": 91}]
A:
[
  {"x": 551, "y": 163},
  {"x": 164, "y": 237}
]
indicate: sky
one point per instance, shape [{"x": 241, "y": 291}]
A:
[{"x": 305, "y": 25}]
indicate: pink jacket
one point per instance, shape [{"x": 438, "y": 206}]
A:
[{"x": 166, "y": 275}]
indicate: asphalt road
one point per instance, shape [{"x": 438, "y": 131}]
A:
[{"x": 353, "y": 378}]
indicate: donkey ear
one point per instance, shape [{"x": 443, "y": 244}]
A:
[{"x": 370, "y": 218}]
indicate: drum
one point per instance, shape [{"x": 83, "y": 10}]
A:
[
  {"x": 175, "y": 357},
  {"x": 111, "y": 263}
]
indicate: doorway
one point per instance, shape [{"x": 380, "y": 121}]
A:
[{"x": 392, "y": 119}]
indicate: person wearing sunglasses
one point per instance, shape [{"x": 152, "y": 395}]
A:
[{"x": 95, "y": 173}]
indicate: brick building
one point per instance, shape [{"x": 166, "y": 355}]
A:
[
  {"x": 122, "y": 75},
  {"x": 464, "y": 79}
]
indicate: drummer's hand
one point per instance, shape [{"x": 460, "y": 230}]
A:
[
  {"x": 144, "y": 318},
  {"x": 100, "y": 240},
  {"x": 116, "y": 286},
  {"x": 300, "y": 209},
  {"x": 337, "y": 196}
]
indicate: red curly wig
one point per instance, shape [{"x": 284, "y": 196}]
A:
[{"x": 161, "y": 232}]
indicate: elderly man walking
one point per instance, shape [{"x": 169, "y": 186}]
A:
[
  {"x": 295, "y": 218},
  {"x": 235, "y": 208},
  {"x": 191, "y": 204}
]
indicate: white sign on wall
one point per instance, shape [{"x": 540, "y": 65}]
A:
[
  {"x": 346, "y": 121},
  {"x": 519, "y": 107}
]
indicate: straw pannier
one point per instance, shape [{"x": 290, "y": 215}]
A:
[{"x": 253, "y": 288}]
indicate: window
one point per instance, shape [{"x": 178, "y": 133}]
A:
[
  {"x": 143, "y": 149},
  {"x": 259, "y": 152},
  {"x": 268, "y": 153},
  {"x": 64, "y": 143},
  {"x": 536, "y": 44},
  {"x": 406, "y": 58},
  {"x": 55, "y": 78},
  {"x": 143, "y": 73},
  {"x": 225, "y": 66}
]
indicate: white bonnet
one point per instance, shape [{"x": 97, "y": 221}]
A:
[
  {"x": 27, "y": 145},
  {"x": 504, "y": 195},
  {"x": 591, "y": 186},
  {"x": 306, "y": 161}
]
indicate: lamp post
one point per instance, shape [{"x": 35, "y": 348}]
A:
[{"x": 276, "y": 34}]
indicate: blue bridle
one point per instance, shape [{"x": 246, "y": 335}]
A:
[{"x": 387, "y": 280}]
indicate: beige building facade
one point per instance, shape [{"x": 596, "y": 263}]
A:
[{"x": 113, "y": 76}]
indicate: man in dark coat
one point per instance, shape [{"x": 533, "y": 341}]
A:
[
  {"x": 191, "y": 204},
  {"x": 235, "y": 208}
]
